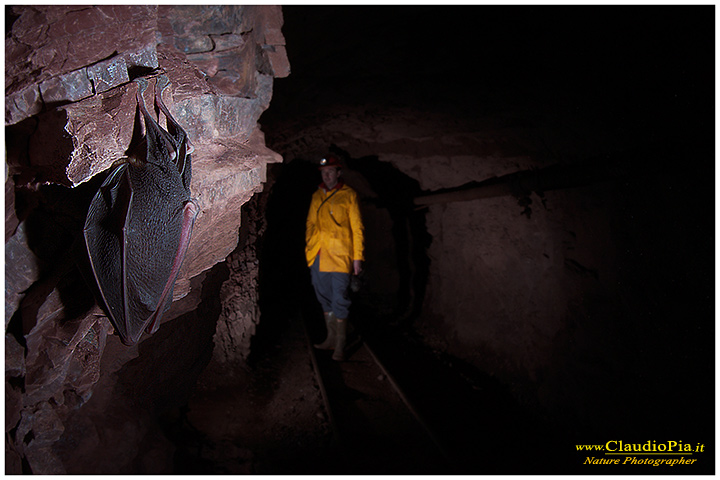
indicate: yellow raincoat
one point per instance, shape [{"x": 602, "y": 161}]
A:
[{"x": 334, "y": 229}]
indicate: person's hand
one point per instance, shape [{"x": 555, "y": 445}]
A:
[{"x": 357, "y": 267}]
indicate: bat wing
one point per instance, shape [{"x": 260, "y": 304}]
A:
[
  {"x": 106, "y": 241},
  {"x": 137, "y": 231}
]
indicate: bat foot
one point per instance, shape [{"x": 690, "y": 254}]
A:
[
  {"x": 162, "y": 83},
  {"x": 142, "y": 84}
]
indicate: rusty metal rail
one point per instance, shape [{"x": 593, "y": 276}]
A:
[
  {"x": 431, "y": 435},
  {"x": 373, "y": 420}
]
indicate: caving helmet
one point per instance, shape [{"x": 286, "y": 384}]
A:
[{"x": 329, "y": 161}]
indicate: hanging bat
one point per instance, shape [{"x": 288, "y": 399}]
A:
[{"x": 139, "y": 224}]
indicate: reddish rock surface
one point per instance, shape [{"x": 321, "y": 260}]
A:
[
  {"x": 63, "y": 50},
  {"x": 71, "y": 388}
]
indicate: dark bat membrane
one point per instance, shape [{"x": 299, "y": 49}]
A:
[{"x": 139, "y": 224}]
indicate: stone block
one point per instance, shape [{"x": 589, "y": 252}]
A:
[
  {"x": 201, "y": 43},
  {"x": 56, "y": 347},
  {"x": 84, "y": 365},
  {"x": 196, "y": 20},
  {"x": 108, "y": 74},
  {"x": 145, "y": 58},
  {"x": 119, "y": 37},
  {"x": 277, "y": 60},
  {"x": 268, "y": 24},
  {"x": 233, "y": 84},
  {"x": 31, "y": 26},
  {"x": 14, "y": 358},
  {"x": 229, "y": 173},
  {"x": 13, "y": 405},
  {"x": 11, "y": 219},
  {"x": 206, "y": 62},
  {"x": 40, "y": 427},
  {"x": 239, "y": 59},
  {"x": 209, "y": 117},
  {"x": 22, "y": 104},
  {"x": 227, "y": 41},
  {"x": 16, "y": 64},
  {"x": 43, "y": 422},
  {"x": 100, "y": 128},
  {"x": 64, "y": 21},
  {"x": 69, "y": 87},
  {"x": 49, "y": 41}
]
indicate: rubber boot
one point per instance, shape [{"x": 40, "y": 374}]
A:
[
  {"x": 340, "y": 334},
  {"x": 331, "y": 324}
]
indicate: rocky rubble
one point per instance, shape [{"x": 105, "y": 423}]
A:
[{"x": 70, "y": 114}]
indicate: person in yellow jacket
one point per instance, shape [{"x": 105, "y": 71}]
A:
[{"x": 334, "y": 244}]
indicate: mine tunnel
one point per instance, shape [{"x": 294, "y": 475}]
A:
[{"x": 537, "y": 191}]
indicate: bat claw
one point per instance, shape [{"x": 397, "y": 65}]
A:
[
  {"x": 162, "y": 83},
  {"x": 142, "y": 86}
]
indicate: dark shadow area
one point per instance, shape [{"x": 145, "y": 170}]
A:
[
  {"x": 53, "y": 218},
  {"x": 34, "y": 146},
  {"x": 395, "y": 192},
  {"x": 284, "y": 279},
  {"x": 52, "y": 248},
  {"x": 168, "y": 386},
  {"x": 608, "y": 82}
]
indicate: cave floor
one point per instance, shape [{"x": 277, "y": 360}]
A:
[
  {"x": 265, "y": 417},
  {"x": 268, "y": 416}
]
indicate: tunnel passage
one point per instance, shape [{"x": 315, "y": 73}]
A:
[
  {"x": 392, "y": 285},
  {"x": 550, "y": 296}
]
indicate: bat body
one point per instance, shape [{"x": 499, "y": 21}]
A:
[{"x": 139, "y": 224}]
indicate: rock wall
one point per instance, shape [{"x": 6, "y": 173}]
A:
[
  {"x": 239, "y": 294},
  {"x": 78, "y": 401}
]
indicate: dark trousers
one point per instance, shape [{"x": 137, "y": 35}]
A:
[{"x": 331, "y": 290}]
